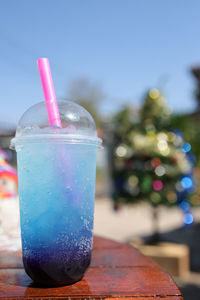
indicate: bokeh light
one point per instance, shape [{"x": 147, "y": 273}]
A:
[
  {"x": 146, "y": 183},
  {"x": 121, "y": 151},
  {"x": 171, "y": 196},
  {"x": 154, "y": 93},
  {"x": 178, "y": 140},
  {"x": 186, "y": 147},
  {"x": 165, "y": 152},
  {"x": 133, "y": 190},
  {"x": 160, "y": 170},
  {"x": 186, "y": 182},
  {"x": 150, "y": 128},
  {"x": 155, "y": 197},
  {"x": 133, "y": 180},
  {"x": 157, "y": 185},
  {"x": 155, "y": 162},
  {"x": 188, "y": 218},
  {"x": 184, "y": 205},
  {"x": 162, "y": 136},
  {"x": 179, "y": 187},
  {"x": 162, "y": 145},
  {"x": 171, "y": 136}
]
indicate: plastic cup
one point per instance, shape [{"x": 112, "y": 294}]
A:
[{"x": 56, "y": 173}]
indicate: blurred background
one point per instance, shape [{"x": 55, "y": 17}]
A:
[{"x": 135, "y": 66}]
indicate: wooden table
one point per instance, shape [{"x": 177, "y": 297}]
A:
[{"x": 117, "y": 270}]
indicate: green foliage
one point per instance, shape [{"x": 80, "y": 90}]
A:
[{"x": 191, "y": 130}]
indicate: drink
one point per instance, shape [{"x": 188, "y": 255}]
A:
[{"x": 56, "y": 170}]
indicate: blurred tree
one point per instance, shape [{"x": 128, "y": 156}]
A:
[
  {"x": 196, "y": 73},
  {"x": 150, "y": 161},
  {"x": 89, "y": 95},
  {"x": 189, "y": 123},
  {"x": 191, "y": 131}
]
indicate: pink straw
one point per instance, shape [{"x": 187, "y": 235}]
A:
[{"x": 49, "y": 93}]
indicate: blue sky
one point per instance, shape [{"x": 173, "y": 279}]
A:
[{"x": 126, "y": 46}]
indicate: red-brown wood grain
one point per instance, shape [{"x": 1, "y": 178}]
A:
[
  {"x": 117, "y": 270},
  {"x": 146, "y": 298}
]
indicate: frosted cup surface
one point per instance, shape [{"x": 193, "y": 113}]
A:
[{"x": 56, "y": 192}]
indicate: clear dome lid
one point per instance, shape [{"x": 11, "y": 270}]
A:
[{"x": 78, "y": 125}]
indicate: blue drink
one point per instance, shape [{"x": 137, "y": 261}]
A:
[
  {"x": 56, "y": 193},
  {"x": 56, "y": 171}
]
